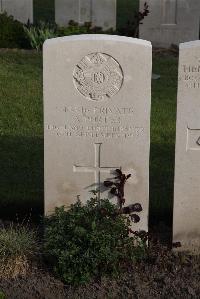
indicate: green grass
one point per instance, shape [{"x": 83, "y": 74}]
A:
[
  {"x": 21, "y": 132},
  {"x": 21, "y": 135},
  {"x": 163, "y": 122},
  {"x": 2, "y": 295}
]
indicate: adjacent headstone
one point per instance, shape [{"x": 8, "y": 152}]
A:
[
  {"x": 186, "y": 226},
  {"x": 101, "y": 13},
  {"x": 21, "y": 10},
  {"x": 97, "y": 92},
  {"x": 170, "y": 21}
]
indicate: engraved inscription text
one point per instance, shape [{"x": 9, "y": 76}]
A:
[{"x": 97, "y": 122}]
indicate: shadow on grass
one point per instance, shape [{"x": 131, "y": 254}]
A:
[
  {"x": 21, "y": 173},
  {"x": 161, "y": 184}
]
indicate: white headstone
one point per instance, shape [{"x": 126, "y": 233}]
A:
[
  {"x": 21, "y": 10},
  {"x": 97, "y": 91},
  {"x": 186, "y": 225},
  {"x": 170, "y": 21},
  {"x": 101, "y": 13}
]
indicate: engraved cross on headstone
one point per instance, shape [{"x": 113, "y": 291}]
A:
[{"x": 97, "y": 169}]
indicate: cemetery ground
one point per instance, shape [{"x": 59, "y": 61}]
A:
[{"x": 162, "y": 274}]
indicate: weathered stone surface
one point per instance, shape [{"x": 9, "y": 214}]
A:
[
  {"x": 170, "y": 21},
  {"x": 101, "y": 13},
  {"x": 97, "y": 91},
  {"x": 21, "y": 10},
  {"x": 186, "y": 224}
]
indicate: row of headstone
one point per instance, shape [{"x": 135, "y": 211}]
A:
[
  {"x": 171, "y": 22},
  {"x": 101, "y": 13},
  {"x": 97, "y": 98},
  {"x": 21, "y": 10}
]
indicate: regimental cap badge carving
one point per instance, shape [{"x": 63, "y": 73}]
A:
[{"x": 98, "y": 76}]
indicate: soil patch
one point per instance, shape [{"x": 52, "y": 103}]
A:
[{"x": 164, "y": 274}]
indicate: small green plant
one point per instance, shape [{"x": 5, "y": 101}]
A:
[
  {"x": 2, "y": 295},
  {"x": 90, "y": 241},
  {"x": 12, "y": 34},
  {"x": 74, "y": 28},
  {"x": 17, "y": 247},
  {"x": 38, "y": 34}
]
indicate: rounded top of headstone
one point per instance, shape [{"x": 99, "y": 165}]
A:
[
  {"x": 97, "y": 37},
  {"x": 191, "y": 44}
]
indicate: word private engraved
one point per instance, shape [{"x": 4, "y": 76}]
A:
[
  {"x": 102, "y": 122},
  {"x": 98, "y": 76}
]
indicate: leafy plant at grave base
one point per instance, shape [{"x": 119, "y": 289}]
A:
[
  {"x": 2, "y": 295},
  {"x": 12, "y": 34},
  {"x": 90, "y": 241},
  {"x": 38, "y": 34},
  {"x": 74, "y": 28},
  {"x": 18, "y": 247},
  {"x": 132, "y": 28}
]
